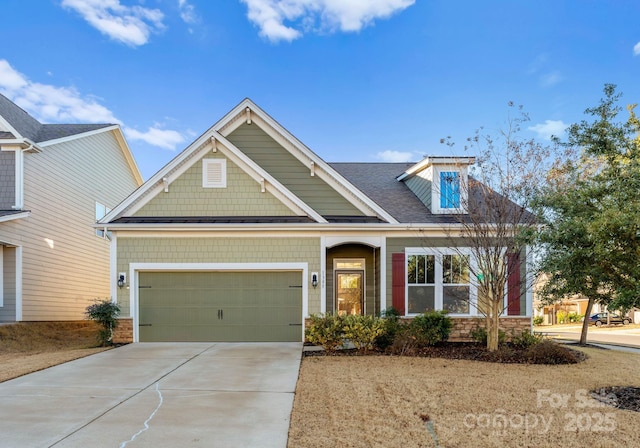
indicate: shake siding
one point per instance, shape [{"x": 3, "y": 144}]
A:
[
  {"x": 8, "y": 311},
  {"x": 218, "y": 250},
  {"x": 7, "y": 180},
  {"x": 241, "y": 197},
  {"x": 65, "y": 265},
  {"x": 289, "y": 171}
]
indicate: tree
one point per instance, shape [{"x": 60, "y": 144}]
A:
[
  {"x": 498, "y": 222},
  {"x": 591, "y": 235}
]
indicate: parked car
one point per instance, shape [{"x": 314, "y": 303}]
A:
[{"x": 601, "y": 318}]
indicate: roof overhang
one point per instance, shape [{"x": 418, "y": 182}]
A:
[
  {"x": 12, "y": 216},
  {"x": 430, "y": 161}
]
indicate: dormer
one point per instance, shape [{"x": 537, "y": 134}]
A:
[{"x": 441, "y": 183}]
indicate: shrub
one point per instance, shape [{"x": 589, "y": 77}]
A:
[
  {"x": 561, "y": 315},
  {"x": 362, "y": 331},
  {"x": 526, "y": 339},
  {"x": 550, "y": 352},
  {"x": 431, "y": 327},
  {"x": 391, "y": 320},
  {"x": 574, "y": 317},
  {"x": 105, "y": 313},
  {"x": 404, "y": 341},
  {"x": 326, "y": 331},
  {"x": 538, "y": 320},
  {"x": 480, "y": 335}
]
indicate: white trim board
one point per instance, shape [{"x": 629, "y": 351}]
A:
[{"x": 136, "y": 268}]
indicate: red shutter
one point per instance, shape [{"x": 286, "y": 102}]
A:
[
  {"x": 513, "y": 285},
  {"x": 397, "y": 282}
]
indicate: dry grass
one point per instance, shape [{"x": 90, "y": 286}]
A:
[
  {"x": 33, "y": 346},
  {"x": 382, "y": 401}
]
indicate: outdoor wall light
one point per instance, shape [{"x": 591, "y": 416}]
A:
[
  {"x": 122, "y": 279},
  {"x": 314, "y": 279}
]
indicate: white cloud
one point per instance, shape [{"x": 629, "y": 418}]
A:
[
  {"x": 130, "y": 25},
  {"x": 162, "y": 138},
  {"x": 187, "y": 12},
  {"x": 394, "y": 156},
  {"x": 549, "y": 128},
  {"x": 52, "y": 104},
  {"x": 551, "y": 79},
  {"x": 270, "y": 15},
  {"x": 636, "y": 49}
]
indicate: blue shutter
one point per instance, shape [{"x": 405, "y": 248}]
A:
[{"x": 449, "y": 189}]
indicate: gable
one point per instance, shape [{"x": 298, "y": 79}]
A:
[
  {"x": 290, "y": 172},
  {"x": 186, "y": 195}
]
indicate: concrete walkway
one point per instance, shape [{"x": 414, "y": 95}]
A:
[{"x": 157, "y": 395}]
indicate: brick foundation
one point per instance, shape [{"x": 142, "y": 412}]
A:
[
  {"x": 463, "y": 326},
  {"x": 123, "y": 334}
]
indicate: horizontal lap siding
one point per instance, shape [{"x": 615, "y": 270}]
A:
[
  {"x": 289, "y": 171},
  {"x": 62, "y": 184},
  {"x": 218, "y": 250},
  {"x": 241, "y": 197}
]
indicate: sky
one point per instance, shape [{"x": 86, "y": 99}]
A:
[{"x": 355, "y": 80}]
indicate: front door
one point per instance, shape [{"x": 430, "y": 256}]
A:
[{"x": 349, "y": 292}]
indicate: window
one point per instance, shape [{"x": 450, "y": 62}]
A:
[
  {"x": 101, "y": 212},
  {"x": 438, "y": 279},
  {"x": 449, "y": 189},
  {"x": 421, "y": 283},
  {"x": 214, "y": 173}
]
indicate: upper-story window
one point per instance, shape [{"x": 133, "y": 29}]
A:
[
  {"x": 101, "y": 212},
  {"x": 449, "y": 189}
]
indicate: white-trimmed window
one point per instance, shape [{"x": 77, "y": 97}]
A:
[
  {"x": 438, "y": 279},
  {"x": 101, "y": 212},
  {"x": 449, "y": 190},
  {"x": 214, "y": 173}
]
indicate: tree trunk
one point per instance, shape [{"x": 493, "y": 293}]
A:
[
  {"x": 585, "y": 322},
  {"x": 493, "y": 327}
]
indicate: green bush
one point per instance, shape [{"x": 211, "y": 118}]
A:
[
  {"x": 538, "y": 320},
  {"x": 480, "y": 335},
  {"x": 105, "y": 313},
  {"x": 391, "y": 320},
  {"x": 404, "y": 341},
  {"x": 574, "y": 317},
  {"x": 431, "y": 327},
  {"x": 526, "y": 339},
  {"x": 326, "y": 331},
  {"x": 362, "y": 331}
]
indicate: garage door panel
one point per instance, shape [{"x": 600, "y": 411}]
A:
[{"x": 220, "y": 306}]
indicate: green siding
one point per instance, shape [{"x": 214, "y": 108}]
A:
[
  {"x": 241, "y": 197},
  {"x": 288, "y": 170},
  {"x": 218, "y": 250},
  {"x": 220, "y": 306},
  {"x": 421, "y": 188}
]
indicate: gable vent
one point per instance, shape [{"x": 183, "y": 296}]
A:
[{"x": 214, "y": 173}]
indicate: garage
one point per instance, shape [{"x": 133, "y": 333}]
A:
[{"x": 220, "y": 306}]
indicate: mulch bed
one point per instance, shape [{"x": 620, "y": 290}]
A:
[
  {"x": 552, "y": 353},
  {"x": 621, "y": 397}
]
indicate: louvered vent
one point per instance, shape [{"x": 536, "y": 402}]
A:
[{"x": 214, "y": 173}]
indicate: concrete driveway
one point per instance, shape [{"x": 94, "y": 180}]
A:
[{"x": 157, "y": 395}]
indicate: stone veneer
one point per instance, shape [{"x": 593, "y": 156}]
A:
[{"x": 123, "y": 333}]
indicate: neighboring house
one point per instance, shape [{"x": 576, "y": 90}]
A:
[
  {"x": 56, "y": 180},
  {"x": 247, "y": 232}
]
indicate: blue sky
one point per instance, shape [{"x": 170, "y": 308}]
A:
[{"x": 355, "y": 80}]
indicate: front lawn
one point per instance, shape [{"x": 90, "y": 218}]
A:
[{"x": 390, "y": 401}]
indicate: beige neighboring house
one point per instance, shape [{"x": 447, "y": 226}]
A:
[
  {"x": 56, "y": 181},
  {"x": 247, "y": 232}
]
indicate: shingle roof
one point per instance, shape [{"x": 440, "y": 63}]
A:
[
  {"x": 30, "y": 128},
  {"x": 378, "y": 181}
]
